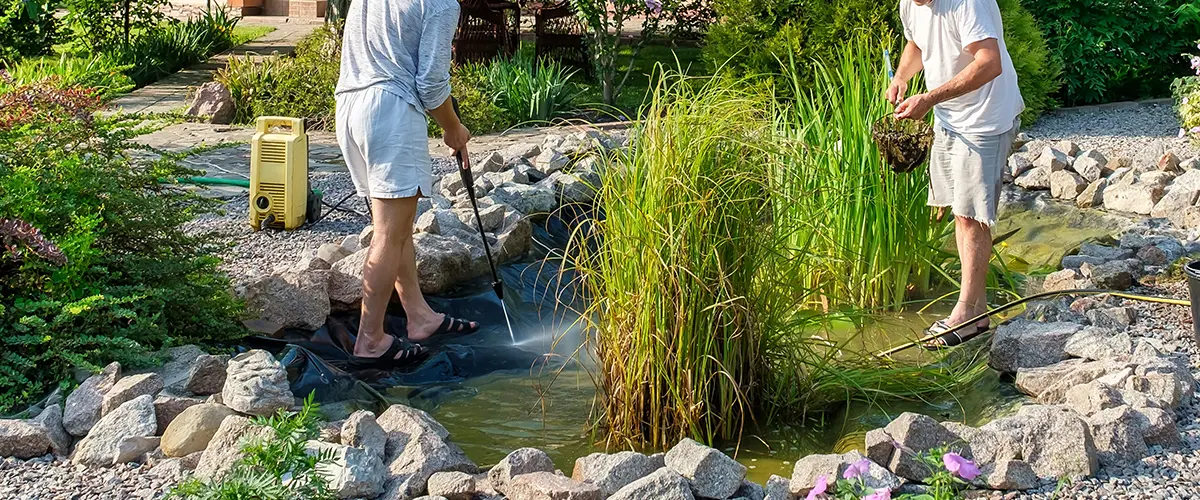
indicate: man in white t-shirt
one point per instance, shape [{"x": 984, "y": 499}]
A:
[{"x": 976, "y": 103}]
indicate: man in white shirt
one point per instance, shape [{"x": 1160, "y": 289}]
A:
[{"x": 976, "y": 103}]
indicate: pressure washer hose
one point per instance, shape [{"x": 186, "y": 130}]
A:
[{"x": 1015, "y": 303}]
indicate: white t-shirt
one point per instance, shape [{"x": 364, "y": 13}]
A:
[{"x": 943, "y": 29}]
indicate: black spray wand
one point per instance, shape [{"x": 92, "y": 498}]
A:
[{"x": 469, "y": 182}]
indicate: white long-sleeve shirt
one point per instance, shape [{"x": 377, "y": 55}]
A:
[{"x": 400, "y": 46}]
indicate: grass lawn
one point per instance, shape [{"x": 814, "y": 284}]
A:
[
  {"x": 685, "y": 59},
  {"x": 244, "y": 33}
]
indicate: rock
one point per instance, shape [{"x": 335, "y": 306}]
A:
[
  {"x": 750, "y": 490},
  {"x": 1067, "y": 147},
  {"x": 1066, "y": 279},
  {"x": 453, "y": 485},
  {"x": 332, "y": 253},
  {"x": 1096, "y": 343},
  {"x": 101, "y": 446},
  {"x": 1116, "y": 318},
  {"x": 256, "y": 384},
  {"x": 1012, "y": 475},
  {"x": 778, "y": 488},
  {"x": 1117, "y": 433},
  {"x": 1168, "y": 162},
  {"x": 1033, "y": 381},
  {"x": 1118, "y": 163},
  {"x": 364, "y": 237},
  {"x": 991, "y": 452},
  {"x": 1158, "y": 426},
  {"x": 526, "y": 174},
  {"x": 345, "y": 278},
  {"x": 170, "y": 470},
  {"x": 452, "y": 185},
  {"x": 416, "y": 449},
  {"x": 1066, "y": 185},
  {"x": 307, "y": 264},
  {"x": 1052, "y": 160},
  {"x": 51, "y": 419},
  {"x": 353, "y": 472},
  {"x": 24, "y": 439},
  {"x": 1189, "y": 219},
  {"x": 1175, "y": 202},
  {"x": 214, "y": 102},
  {"x": 1036, "y": 178},
  {"x": 550, "y": 486},
  {"x": 571, "y": 188},
  {"x": 1056, "y": 392},
  {"x": 1094, "y": 397},
  {"x": 661, "y": 484},
  {"x": 350, "y": 243},
  {"x": 521, "y": 150},
  {"x": 134, "y": 449},
  {"x": 1018, "y": 164},
  {"x": 291, "y": 300},
  {"x": 1152, "y": 178},
  {"x": 1091, "y": 165},
  {"x": 1054, "y": 440},
  {"x": 361, "y": 430},
  {"x": 1165, "y": 381},
  {"x": 1152, "y": 255},
  {"x": 129, "y": 387},
  {"x": 1105, "y": 252},
  {"x": 83, "y": 405},
  {"x": 612, "y": 472},
  {"x": 207, "y": 375},
  {"x": 400, "y": 422},
  {"x": 1074, "y": 262},
  {"x": 529, "y": 200},
  {"x": 193, "y": 429},
  {"x": 879, "y": 446},
  {"x": 1093, "y": 195},
  {"x": 1026, "y": 344},
  {"x": 168, "y": 407},
  {"x": 1136, "y": 198},
  {"x": 493, "y": 162},
  {"x": 1112, "y": 276},
  {"x": 550, "y": 161},
  {"x": 443, "y": 262},
  {"x": 224, "y": 449},
  {"x": 492, "y": 218},
  {"x": 519, "y": 462},
  {"x": 709, "y": 472},
  {"x": 916, "y": 434},
  {"x": 809, "y": 469}
]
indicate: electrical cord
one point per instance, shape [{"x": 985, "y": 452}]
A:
[{"x": 1082, "y": 291}]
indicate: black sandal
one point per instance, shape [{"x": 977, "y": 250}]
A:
[
  {"x": 951, "y": 339},
  {"x": 454, "y": 326},
  {"x": 400, "y": 354}
]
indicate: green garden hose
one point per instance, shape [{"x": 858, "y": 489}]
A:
[
  {"x": 1015, "y": 303},
  {"x": 213, "y": 181}
]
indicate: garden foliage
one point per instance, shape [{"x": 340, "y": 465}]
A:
[
  {"x": 300, "y": 86},
  {"x": 100, "y": 73},
  {"x": 605, "y": 22},
  {"x": 1114, "y": 50},
  {"x": 27, "y": 28},
  {"x": 131, "y": 281},
  {"x": 106, "y": 24}
]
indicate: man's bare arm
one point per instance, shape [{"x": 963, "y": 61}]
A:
[
  {"x": 910, "y": 64},
  {"x": 985, "y": 68}
]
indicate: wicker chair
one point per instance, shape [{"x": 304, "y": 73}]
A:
[
  {"x": 560, "y": 35},
  {"x": 487, "y": 29}
]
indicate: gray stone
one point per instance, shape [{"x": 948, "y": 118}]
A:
[
  {"x": 492, "y": 218},
  {"x": 207, "y": 375},
  {"x": 1094, "y": 397},
  {"x": 1093, "y": 195},
  {"x": 101, "y": 446},
  {"x": 213, "y": 102},
  {"x": 1160, "y": 179},
  {"x": 1067, "y": 147},
  {"x": 572, "y": 188},
  {"x": 536, "y": 200},
  {"x": 225, "y": 447},
  {"x": 332, "y": 253},
  {"x": 1137, "y": 198},
  {"x": 493, "y": 162},
  {"x": 1052, "y": 160},
  {"x": 1112, "y": 276},
  {"x": 611, "y": 472},
  {"x": 1164, "y": 380},
  {"x": 519, "y": 462},
  {"x": 1054, "y": 440},
  {"x": 1011, "y": 475},
  {"x": 1035, "y": 178},
  {"x": 1074, "y": 262},
  {"x": 307, "y": 264},
  {"x": 1066, "y": 279},
  {"x": 193, "y": 429},
  {"x": 1158, "y": 426},
  {"x": 291, "y": 300},
  {"x": 129, "y": 387},
  {"x": 170, "y": 470},
  {"x": 1105, "y": 252},
  {"x": 1026, "y": 344},
  {"x": 83, "y": 405},
  {"x": 452, "y": 185},
  {"x": 23, "y": 439},
  {"x": 1091, "y": 165},
  {"x": 256, "y": 384},
  {"x": 345, "y": 277},
  {"x": 778, "y": 488},
  {"x": 661, "y": 484},
  {"x": 443, "y": 262},
  {"x": 1168, "y": 162},
  {"x": 1117, "y": 433},
  {"x": 1066, "y": 185},
  {"x": 1033, "y": 381},
  {"x": 1086, "y": 372},
  {"x": 361, "y": 430},
  {"x": 750, "y": 490},
  {"x": 1018, "y": 164},
  {"x": 1153, "y": 256},
  {"x": 168, "y": 406},
  {"x": 453, "y": 485},
  {"x": 809, "y": 469},
  {"x": 916, "y": 434},
  {"x": 417, "y": 448},
  {"x": 51, "y": 419},
  {"x": 1097, "y": 343},
  {"x": 350, "y": 243},
  {"x": 353, "y": 472},
  {"x": 367, "y": 233},
  {"x": 522, "y": 150},
  {"x": 709, "y": 472},
  {"x": 134, "y": 449},
  {"x": 400, "y": 422},
  {"x": 550, "y": 161},
  {"x": 550, "y": 486},
  {"x": 1116, "y": 318}
]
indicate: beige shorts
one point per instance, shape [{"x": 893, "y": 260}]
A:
[
  {"x": 385, "y": 143},
  {"x": 966, "y": 172}
]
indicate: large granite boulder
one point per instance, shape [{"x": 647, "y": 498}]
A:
[
  {"x": 710, "y": 473},
  {"x": 192, "y": 430},
  {"x": 1027, "y": 344},
  {"x": 256, "y": 384},
  {"x": 1055, "y": 440},
  {"x": 102, "y": 446},
  {"x": 352, "y": 473},
  {"x": 611, "y": 472},
  {"x": 84, "y": 404}
]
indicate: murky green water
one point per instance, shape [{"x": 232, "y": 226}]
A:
[{"x": 492, "y": 415}]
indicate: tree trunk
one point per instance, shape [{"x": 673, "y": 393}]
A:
[{"x": 125, "y": 19}]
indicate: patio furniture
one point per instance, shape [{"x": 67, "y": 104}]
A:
[
  {"x": 559, "y": 34},
  {"x": 487, "y": 29}
]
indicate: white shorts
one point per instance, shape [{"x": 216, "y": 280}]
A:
[
  {"x": 385, "y": 143},
  {"x": 965, "y": 172}
]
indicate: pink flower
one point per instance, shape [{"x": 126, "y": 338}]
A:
[
  {"x": 882, "y": 494},
  {"x": 655, "y": 6},
  {"x": 819, "y": 489},
  {"x": 960, "y": 466},
  {"x": 858, "y": 468},
  {"x": 1195, "y": 130}
]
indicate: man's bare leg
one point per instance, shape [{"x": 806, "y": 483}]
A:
[
  {"x": 975, "y": 251},
  {"x": 393, "y": 219},
  {"x": 422, "y": 320}
]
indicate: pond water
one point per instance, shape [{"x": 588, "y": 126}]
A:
[{"x": 548, "y": 403}]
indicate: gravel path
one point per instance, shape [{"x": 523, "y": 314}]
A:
[
  {"x": 1144, "y": 131},
  {"x": 41, "y": 479}
]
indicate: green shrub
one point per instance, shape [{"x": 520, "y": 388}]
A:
[
  {"x": 476, "y": 103},
  {"x": 276, "y": 468},
  {"x": 133, "y": 281},
  {"x": 1116, "y": 50},
  {"x": 300, "y": 86},
  {"x": 100, "y": 72},
  {"x": 1186, "y": 93},
  {"x": 531, "y": 90},
  {"x": 175, "y": 45},
  {"x": 761, "y": 37},
  {"x": 101, "y": 25},
  {"x": 27, "y": 28}
]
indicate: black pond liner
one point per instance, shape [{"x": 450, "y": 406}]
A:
[
  {"x": 540, "y": 298},
  {"x": 1192, "y": 270}
]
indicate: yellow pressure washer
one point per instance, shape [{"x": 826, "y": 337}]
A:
[{"x": 280, "y": 196}]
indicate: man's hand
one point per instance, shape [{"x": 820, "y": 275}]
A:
[
  {"x": 456, "y": 137},
  {"x": 915, "y": 107},
  {"x": 896, "y": 91}
]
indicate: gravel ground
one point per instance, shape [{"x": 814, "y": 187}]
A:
[
  {"x": 41, "y": 479},
  {"x": 1136, "y": 132}
]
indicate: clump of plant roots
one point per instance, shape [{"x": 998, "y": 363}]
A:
[{"x": 904, "y": 144}]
